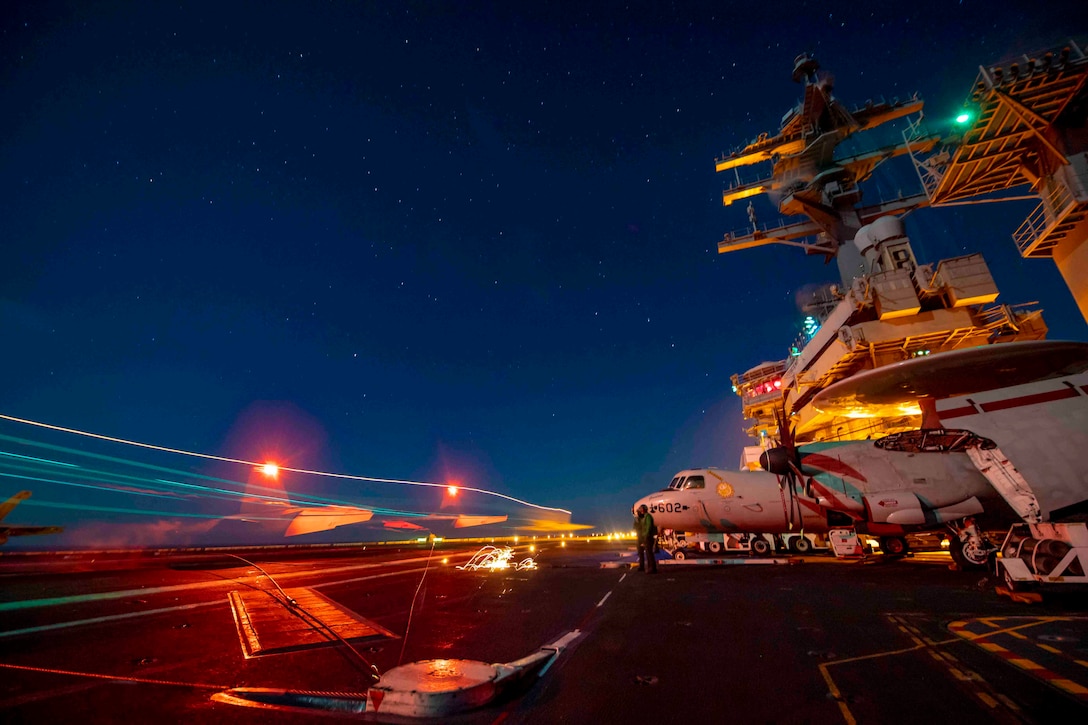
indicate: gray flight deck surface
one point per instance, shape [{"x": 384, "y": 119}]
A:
[{"x": 819, "y": 641}]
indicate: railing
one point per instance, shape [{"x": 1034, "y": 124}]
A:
[
  {"x": 997, "y": 316},
  {"x": 1051, "y": 210},
  {"x": 930, "y": 170}
]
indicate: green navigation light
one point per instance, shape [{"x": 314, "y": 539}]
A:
[{"x": 963, "y": 118}]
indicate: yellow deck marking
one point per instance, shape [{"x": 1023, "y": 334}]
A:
[
  {"x": 846, "y": 714},
  {"x": 1070, "y": 686}
]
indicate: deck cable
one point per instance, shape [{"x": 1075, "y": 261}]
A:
[{"x": 412, "y": 609}]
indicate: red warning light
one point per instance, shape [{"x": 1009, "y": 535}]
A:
[
  {"x": 451, "y": 490},
  {"x": 270, "y": 469}
]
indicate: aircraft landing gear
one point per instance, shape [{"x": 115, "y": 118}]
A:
[
  {"x": 894, "y": 547},
  {"x": 970, "y": 549}
]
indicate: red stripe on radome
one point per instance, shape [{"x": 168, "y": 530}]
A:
[
  {"x": 1060, "y": 394},
  {"x": 957, "y": 412},
  {"x": 831, "y": 465}
]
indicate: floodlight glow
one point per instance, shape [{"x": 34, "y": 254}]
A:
[
  {"x": 271, "y": 470},
  {"x": 963, "y": 118}
]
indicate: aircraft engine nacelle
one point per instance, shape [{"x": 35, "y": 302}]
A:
[
  {"x": 775, "y": 460},
  {"x": 905, "y": 509}
]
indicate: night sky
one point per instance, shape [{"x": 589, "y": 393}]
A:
[{"x": 428, "y": 241}]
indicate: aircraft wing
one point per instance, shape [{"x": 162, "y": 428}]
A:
[
  {"x": 29, "y": 530},
  {"x": 464, "y": 522},
  {"x": 326, "y": 518},
  {"x": 312, "y": 520},
  {"x": 6, "y": 531},
  {"x": 7, "y": 506}
]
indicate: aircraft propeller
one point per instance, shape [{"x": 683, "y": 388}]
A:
[{"x": 783, "y": 460}]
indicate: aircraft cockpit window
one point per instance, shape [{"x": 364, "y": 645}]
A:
[
  {"x": 676, "y": 482},
  {"x": 694, "y": 482}
]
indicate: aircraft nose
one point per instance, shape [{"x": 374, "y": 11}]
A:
[{"x": 644, "y": 501}]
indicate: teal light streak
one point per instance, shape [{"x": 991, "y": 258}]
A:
[{"x": 39, "y": 460}]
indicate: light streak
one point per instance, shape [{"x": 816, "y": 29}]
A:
[
  {"x": 115, "y": 510},
  {"x": 255, "y": 464},
  {"x": 39, "y": 460},
  {"x": 121, "y": 483},
  {"x": 496, "y": 558},
  {"x": 108, "y": 489},
  {"x": 113, "y": 482}
]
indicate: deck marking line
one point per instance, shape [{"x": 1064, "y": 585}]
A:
[
  {"x": 603, "y": 600},
  {"x": 972, "y": 681},
  {"x": 824, "y": 668},
  {"x": 107, "y": 618},
  {"x": 167, "y": 610},
  {"x": 120, "y": 594},
  {"x": 843, "y": 708},
  {"x": 1030, "y": 666},
  {"x": 960, "y": 628}
]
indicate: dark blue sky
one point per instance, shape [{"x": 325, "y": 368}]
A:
[{"x": 423, "y": 240}]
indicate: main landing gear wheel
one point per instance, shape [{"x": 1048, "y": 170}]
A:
[
  {"x": 894, "y": 547},
  {"x": 800, "y": 545},
  {"x": 760, "y": 546},
  {"x": 970, "y": 556}
]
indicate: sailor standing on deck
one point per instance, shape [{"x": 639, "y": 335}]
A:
[{"x": 646, "y": 532}]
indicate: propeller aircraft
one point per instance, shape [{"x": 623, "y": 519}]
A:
[{"x": 1021, "y": 416}]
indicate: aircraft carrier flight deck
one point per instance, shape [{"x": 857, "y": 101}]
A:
[{"x": 578, "y": 635}]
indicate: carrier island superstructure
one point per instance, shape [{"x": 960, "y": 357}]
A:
[{"x": 1023, "y": 124}]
